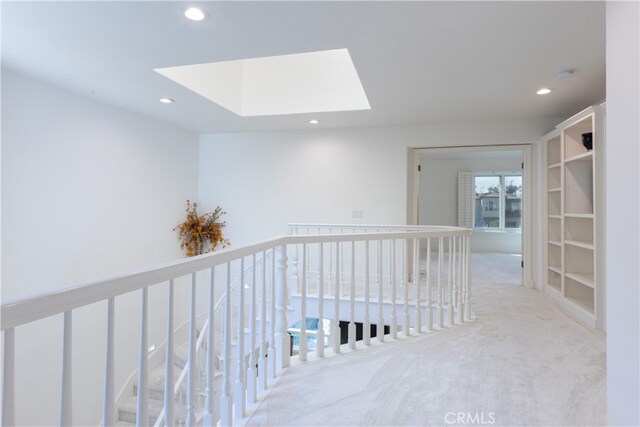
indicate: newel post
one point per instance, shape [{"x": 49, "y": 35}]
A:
[{"x": 283, "y": 343}]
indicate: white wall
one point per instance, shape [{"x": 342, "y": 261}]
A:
[
  {"x": 623, "y": 213},
  {"x": 264, "y": 180},
  {"x": 88, "y": 190},
  {"x": 438, "y": 200}
]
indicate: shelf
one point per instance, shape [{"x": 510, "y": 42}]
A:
[
  {"x": 555, "y": 269},
  {"x": 585, "y": 278},
  {"x": 553, "y": 190},
  {"x": 580, "y": 157},
  {"x": 578, "y": 186},
  {"x": 555, "y": 165},
  {"x": 573, "y": 137},
  {"x": 578, "y": 261},
  {"x": 578, "y": 215},
  {"x": 553, "y": 242},
  {"x": 576, "y": 292},
  {"x": 578, "y": 244},
  {"x": 554, "y": 203},
  {"x": 556, "y": 216},
  {"x": 554, "y": 150},
  {"x": 555, "y": 278}
]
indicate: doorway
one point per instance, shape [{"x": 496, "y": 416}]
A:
[{"x": 484, "y": 188}]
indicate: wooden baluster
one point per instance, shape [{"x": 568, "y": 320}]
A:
[
  {"x": 142, "y": 405},
  {"x": 239, "y": 391},
  {"x": 380, "y": 325},
  {"x": 366, "y": 327},
  {"x": 459, "y": 314},
  {"x": 440, "y": 290},
  {"x": 394, "y": 284},
  {"x": 428, "y": 290},
  {"x": 108, "y": 405},
  {"x": 252, "y": 381},
  {"x": 416, "y": 275},
  {"x": 303, "y": 307},
  {"x": 226, "y": 399},
  {"x": 467, "y": 269},
  {"x": 272, "y": 318},
  {"x": 191, "y": 370},
  {"x": 209, "y": 406},
  {"x": 329, "y": 275},
  {"x": 450, "y": 282},
  {"x": 405, "y": 312},
  {"x": 282, "y": 337},
  {"x": 66, "y": 400},
  {"x": 169, "y": 377},
  {"x": 295, "y": 282},
  {"x": 336, "y": 303},
  {"x": 352, "y": 299},
  {"x": 262, "y": 361},
  {"x": 8, "y": 379},
  {"x": 320, "y": 333}
]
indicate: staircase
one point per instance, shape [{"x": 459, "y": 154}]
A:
[{"x": 127, "y": 410}]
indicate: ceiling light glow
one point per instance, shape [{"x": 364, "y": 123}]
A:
[
  {"x": 314, "y": 122},
  {"x": 544, "y": 91},
  {"x": 167, "y": 100},
  {"x": 195, "y": 14}
]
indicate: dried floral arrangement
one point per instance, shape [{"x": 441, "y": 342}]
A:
[{"x": 201, "y": 231}]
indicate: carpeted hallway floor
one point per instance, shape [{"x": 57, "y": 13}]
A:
[{"x": 523, "y": 362}]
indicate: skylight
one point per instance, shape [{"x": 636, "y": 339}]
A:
[{"x": 311, "y": 82}]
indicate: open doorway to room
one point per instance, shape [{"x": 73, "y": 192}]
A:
[{"x": 483, "y": 188}]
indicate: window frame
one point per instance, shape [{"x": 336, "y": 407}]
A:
[{"x": 502, "y": 201}]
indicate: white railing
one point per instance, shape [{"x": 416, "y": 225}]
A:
[
  {"x": 357, "y": 261},
  {"x": 207, "y": 356}
]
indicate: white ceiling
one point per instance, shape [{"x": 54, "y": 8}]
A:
[{"x": 419, "y": 62}]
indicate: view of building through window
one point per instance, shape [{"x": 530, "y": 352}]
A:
[{"x": 498, "y": 201}]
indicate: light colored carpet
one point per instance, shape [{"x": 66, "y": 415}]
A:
[{"x": 522, "y": 362}]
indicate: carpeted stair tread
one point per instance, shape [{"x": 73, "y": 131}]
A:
[{"x": 127, "y": 411}]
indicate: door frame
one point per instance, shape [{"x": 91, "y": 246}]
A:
[{"x": 413, "y": 193}]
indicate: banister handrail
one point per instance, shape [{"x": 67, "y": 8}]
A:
[
  {"x": 392, "y": 256},
  {"x": 376, "y": 226},
  {"x": 24, "y": 310}
]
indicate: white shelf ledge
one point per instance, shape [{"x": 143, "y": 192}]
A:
[
  {"x": 578, "y": 215},
  {"x": 584, "y": 278},
  {"x": 555, "y": 270},
  {"x": 555, "y": 165},
  {"x": 555, "y": 243},
  {"x": 584, "y": 245},
  {"x": 553, "y": 190},
  {"x": 580, "y": 157}
]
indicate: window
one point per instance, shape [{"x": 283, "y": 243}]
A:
[{"x": 498, "y": 201}]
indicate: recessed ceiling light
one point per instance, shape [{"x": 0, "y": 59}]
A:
[
  {"x": 564, "y": 74},
  {"x": 195, "y": 14},
  {"x": 543, "y": 91},
  {"x": 314, "y": 122},
  {"x": 167, "y": 100}
]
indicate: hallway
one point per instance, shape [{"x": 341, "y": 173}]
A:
[{"x": 522, "y": 362}]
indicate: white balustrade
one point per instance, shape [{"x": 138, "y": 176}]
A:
[
  {"x": 261, "y": 323},
  {"x": 142, "y": 404},
  {"x": 169, "y": 395},
  {"x": 210, "y": 406},
  {"x": 303, "y": 308},
  {"x": 336, "y": 302},
  {"x": 66, "y": 411}
]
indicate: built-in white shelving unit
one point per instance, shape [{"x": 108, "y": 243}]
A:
[{"x": 573, "y": 262}]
